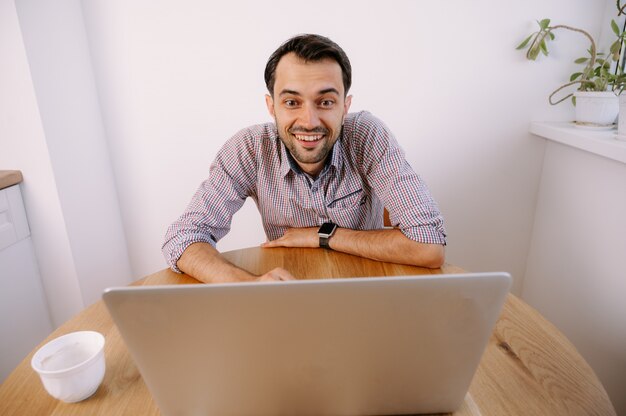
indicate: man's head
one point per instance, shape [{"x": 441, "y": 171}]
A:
[
  {"x": 309, "y": 48},
  {"x": 308, "y": 78}
]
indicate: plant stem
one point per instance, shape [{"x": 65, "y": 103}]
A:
[
  {"x": 592, "y": 61},
  {"x": 586, "y": 73},
  {"x": 560, "y": 88}
]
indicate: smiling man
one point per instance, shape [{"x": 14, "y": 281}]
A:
[{"x": 320, "y": 176}]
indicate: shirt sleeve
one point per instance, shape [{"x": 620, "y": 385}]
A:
[
  {"x": 403, "y": 192},
  {"x": 208, "y": 216}
]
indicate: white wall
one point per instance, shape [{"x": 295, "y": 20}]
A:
[
  {"x": 23, "y": 146},
  {"x": 177, "y": 78},
  {"x": 53, "y": 133}
]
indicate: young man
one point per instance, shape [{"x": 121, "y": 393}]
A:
[{"x": 320, "y": 177}]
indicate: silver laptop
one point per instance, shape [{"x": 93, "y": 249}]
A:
[{"x": 361, "y": 346}]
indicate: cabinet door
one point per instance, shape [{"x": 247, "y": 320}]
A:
[
  {"x": 24, "y": 316},
  {"x": 13, "y": 223}
]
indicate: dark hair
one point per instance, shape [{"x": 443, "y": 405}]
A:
[{"x": 310, "y": 48}]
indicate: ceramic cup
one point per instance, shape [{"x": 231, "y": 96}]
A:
[{"x": 71, "y": 367}]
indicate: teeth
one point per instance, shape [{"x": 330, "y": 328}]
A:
[{"x": 308, "y": 138}]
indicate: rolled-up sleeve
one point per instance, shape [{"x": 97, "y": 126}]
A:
[
  {"x": 413, "y": 210},
  {"x": 193, "y": 226},
  {"x": 411, "y": 206},
  {"x": 208, "y": 216}
]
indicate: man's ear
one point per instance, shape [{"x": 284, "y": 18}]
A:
[
  {"x": 269, "y": 102},
  {"x": 346, "y": 104}
]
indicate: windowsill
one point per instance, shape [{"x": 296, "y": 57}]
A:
[{"x": 601, "y": 143}]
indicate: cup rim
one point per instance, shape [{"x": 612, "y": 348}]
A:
[{"x": 34, "y": 362}]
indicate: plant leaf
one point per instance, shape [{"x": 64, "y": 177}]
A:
[
  {"x": 535, "y": 47},
  {"x": 543, "y": 24},
  {"x": 574, "y": 76},
  {"x": 533, "y": 52},
  {"x": 581, "y": 60},
  {"x": 551, "y": 35},
  {"x": 614, "y": 27},
  {"x": 615, "y": 47},
  {"x": 524, "y": 43},
  {"x": 543, "y": 47}
]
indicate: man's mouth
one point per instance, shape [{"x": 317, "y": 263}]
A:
[{"x": 308, "y": 137}]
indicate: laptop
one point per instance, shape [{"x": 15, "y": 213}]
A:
[{"x": 359, "y": 346}]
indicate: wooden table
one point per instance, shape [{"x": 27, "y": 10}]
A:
[{"x": 529, "y": 367}]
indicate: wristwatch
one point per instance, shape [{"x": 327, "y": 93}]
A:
[{"x": 325, "y": 232}]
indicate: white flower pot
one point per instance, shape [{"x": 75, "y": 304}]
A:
[{"x": 596, "y": 108}]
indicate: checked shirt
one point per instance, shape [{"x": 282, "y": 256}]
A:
[{"x": 366, "y": 172}]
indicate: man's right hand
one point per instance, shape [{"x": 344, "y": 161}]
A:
[
  {"x": 205, "y": 263},
  {"x": 276, "y": 275}
]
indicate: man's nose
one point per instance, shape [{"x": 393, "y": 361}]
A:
[{"x": 309, "y": 118}]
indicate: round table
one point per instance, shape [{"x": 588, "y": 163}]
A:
[{"x": 528, "y": 368}]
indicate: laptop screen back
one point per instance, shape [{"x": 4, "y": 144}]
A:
[{"x": 362, "y": 346}]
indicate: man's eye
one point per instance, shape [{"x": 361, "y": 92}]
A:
[
  {"x": 291, "y": 103},
  {"x": 327, "y": 103}
]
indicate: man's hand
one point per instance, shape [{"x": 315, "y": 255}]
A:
[
  {"x": 205, "y": 263},
  {"x": 276, "y": 275},
  {"x": 296, "y": 237}
]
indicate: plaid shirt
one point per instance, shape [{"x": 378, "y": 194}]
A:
[{"x": 366, "y": 172}]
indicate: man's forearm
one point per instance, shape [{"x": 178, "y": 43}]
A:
[
  {"x": 205, "y": 263},
  {"x": 389, "y": 245}
]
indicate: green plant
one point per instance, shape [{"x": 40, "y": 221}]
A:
[{"x": 596, "y": 75}]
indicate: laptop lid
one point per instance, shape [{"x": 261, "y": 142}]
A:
[{"x": 361, "y": 346}]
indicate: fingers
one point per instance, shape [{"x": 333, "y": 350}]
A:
[
  {"x": 283, "y": 241},
  {"x": 276, "y": 275},
  {"x": 269, "y": 244}
]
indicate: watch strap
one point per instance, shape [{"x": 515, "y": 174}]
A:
[
  {"x": 324, "y": 242},
  {"x": 325, "y": 232}
]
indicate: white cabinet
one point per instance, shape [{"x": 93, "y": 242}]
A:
[
  {"x": 575, "y": 272},
  {"x": 24, "y": 316}
]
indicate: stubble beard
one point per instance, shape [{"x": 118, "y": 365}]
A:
[{"x": 303, "y": 155}]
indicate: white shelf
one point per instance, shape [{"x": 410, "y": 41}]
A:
[{"x": 601, "y": 143}]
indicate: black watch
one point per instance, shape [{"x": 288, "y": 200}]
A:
[{"x": 325, "y": 232}]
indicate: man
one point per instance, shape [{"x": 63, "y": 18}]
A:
[{"x": 317, "y": 165}]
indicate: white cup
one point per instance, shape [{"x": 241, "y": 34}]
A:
[{"x": 71, "y": 367}]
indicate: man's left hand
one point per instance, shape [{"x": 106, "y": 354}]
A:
[{"x": 296, "y": 237}]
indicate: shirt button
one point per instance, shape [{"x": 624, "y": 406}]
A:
[{"x": 314, "y": 189}]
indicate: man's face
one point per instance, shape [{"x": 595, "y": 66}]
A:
[{"x": 308, "y": 106}]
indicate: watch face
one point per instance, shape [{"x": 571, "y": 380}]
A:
[{"x": 327, "y": 228}]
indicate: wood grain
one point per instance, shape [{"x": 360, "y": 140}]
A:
[{"x": 528, "y": 368}]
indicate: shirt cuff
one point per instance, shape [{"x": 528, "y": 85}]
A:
[
  {"x": 425, "y": 234},
  {"x": 173, "y": 250}
]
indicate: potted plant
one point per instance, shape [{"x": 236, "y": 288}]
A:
[{"x": 596, "y": 98}]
